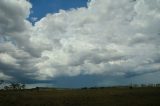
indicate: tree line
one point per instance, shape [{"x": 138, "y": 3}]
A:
[{"x": 11, "y": 85}]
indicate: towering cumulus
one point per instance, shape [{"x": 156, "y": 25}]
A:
[{"x": 119, "y": 38}]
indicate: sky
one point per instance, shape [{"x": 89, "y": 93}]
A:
[
  {"x": 80, "y": 43},
  {"x": 42, "y": 7}
]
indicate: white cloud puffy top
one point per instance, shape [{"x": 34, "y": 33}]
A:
[{"x": 110, "y": 37}]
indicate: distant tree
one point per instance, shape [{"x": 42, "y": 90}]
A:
[
  {"x": 157, "y": 85},
  {"x": 37, "y": 88},
  {"x": 1, "y": 84},
  {"x": 23, "y": 86},
  {"x": 143, "y": 85},
  {"x": 13, "y": 86},
  {"x": 6, "y": 87},
  {"x": 130, "y": 87},
  {"x": 84, "y": 88},
  {"x": 17, "y": 86}
]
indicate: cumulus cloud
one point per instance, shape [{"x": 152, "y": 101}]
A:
[
  {"x": 12, "y": 16},
  {"x": 109, "y": 37}
]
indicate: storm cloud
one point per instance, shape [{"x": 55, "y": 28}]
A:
[{"x": 109, "y": 38}]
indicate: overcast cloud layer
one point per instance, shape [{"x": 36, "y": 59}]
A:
[{"x": 109, "y": 38}]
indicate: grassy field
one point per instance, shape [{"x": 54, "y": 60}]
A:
[{"x": 89, "y": 97}]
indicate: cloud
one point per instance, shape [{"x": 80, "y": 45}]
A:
[
  {"x": 109, "y": 37},
  {"x": 13, "y": 14},
  {"x": 7, "y": 59},
  {"x": 34, "y": 19},
  {"x": 4, "y": 77}
]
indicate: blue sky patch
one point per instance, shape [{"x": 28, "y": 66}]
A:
[{"x": 42, "y": 7}]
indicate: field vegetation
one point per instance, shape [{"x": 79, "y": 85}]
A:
[{"x": 114, "y": 96}]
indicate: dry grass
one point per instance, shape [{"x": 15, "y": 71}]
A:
[{"x": 90, "y": 97}]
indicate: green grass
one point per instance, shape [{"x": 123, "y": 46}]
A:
[{"x": 89, "y": 97}]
